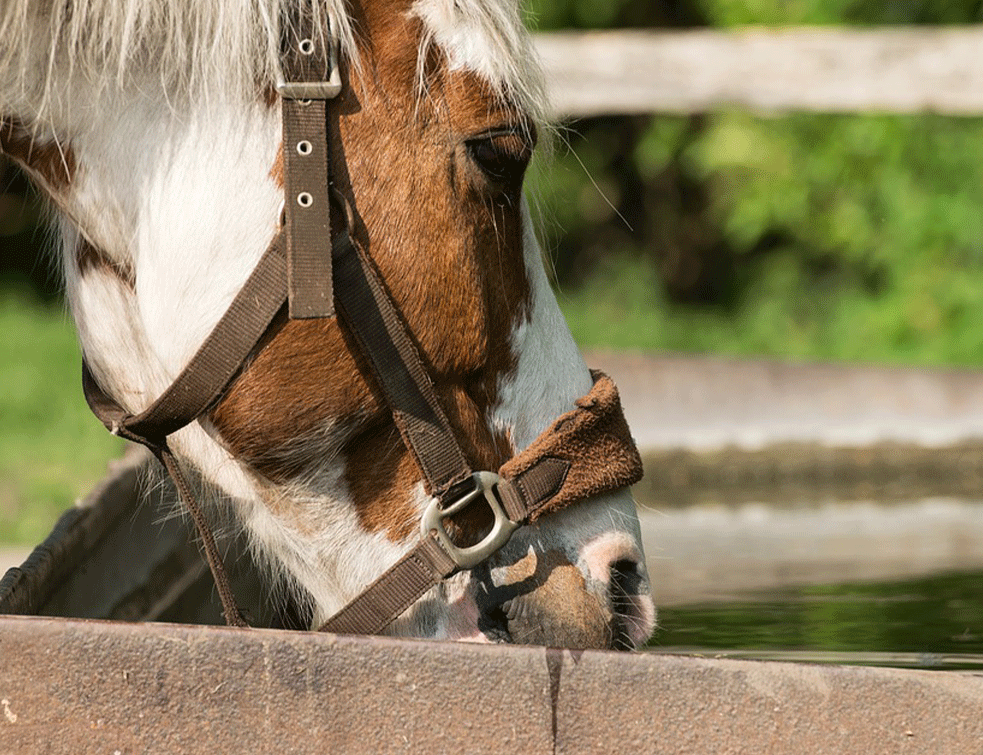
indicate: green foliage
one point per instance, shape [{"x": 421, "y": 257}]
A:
[
  {"x": 855, "y": 238},
  {"x": 863, "y": 12},
  {"x": 52, "y": 449},
  {"x": 599, "y": 14},
  {"x": 544, "y": 15},
  {"x": 813, "y": 236}
]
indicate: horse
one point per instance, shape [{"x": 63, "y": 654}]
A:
[{"x": 153, "y": 128}]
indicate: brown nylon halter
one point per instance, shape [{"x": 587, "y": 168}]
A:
[{"x": 310, "y": 271}]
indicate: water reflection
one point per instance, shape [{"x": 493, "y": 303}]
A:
[{"x": 932, "y": 623}]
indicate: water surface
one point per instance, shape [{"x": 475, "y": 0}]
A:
[{"x": 930, "y": 623}]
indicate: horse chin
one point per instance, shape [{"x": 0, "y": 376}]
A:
[
  {"x": 547, "y": 600},
  {"x": 451, "y": 613}
]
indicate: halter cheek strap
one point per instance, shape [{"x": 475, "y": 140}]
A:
[
  {"x": 311, "y": 77},
  {"x": 586, "y": 452}
]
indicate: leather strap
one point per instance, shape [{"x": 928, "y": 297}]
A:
[
  {"x": 405, "y": 582},
  {"x": 371, "y": 317},
  {"x": 306, "y": 167},
  {"x": 218, "y": 360}
]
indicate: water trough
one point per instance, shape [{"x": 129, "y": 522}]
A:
[{"x": 858, "y": 444}]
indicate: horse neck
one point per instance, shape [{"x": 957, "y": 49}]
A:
[{"x": 149, "y": 165}]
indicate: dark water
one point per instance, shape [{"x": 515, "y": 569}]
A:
[{"x": 929, "y": 623}]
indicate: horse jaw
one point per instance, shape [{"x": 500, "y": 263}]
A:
[{"x": 579, "y": 574}]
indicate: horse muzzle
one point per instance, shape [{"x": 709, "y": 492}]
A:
[{"x": 598, "y": 600}]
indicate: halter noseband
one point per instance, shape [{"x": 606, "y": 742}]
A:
[{"x": 310, "y": 270}]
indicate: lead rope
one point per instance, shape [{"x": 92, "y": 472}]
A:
[
  {"x": 199, "y": 386},
  {"x": 230, "y": 608}
]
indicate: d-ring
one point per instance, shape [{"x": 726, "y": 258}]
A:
[{"x": 342, "y": 203}]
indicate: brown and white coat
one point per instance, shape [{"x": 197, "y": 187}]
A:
[{"x": 152, "y": 126}]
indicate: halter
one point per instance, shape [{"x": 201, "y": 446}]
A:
[{"x": 312, "y": 266}]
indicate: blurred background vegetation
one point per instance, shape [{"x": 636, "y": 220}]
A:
[
  {"x": 806, "y": 236},
  {"x": 52, "y": 449}
]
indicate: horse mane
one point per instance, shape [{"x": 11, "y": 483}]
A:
[
  {"x": 202, "y": 47},
  {"x": 210, "y": 48}
]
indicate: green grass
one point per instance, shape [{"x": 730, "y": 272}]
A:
[{"x": 52, "y": 449}]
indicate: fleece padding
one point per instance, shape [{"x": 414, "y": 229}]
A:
[{"x": 592, "y": 441}]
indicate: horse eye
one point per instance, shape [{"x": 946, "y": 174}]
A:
[{"x": 502, "y": 157}]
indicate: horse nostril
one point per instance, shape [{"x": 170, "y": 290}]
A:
[
  {"x": 600, "y": 602},
  {"x": 625, "y": 583},
  {"x": 624, "y": 579}
]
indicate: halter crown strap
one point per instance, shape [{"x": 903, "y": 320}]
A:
[{"x": 311, "y": 77}]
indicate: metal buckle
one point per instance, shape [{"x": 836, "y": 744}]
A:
[
  {"x": 316, "y": 90},
  {"x": 502, "y": 529}
]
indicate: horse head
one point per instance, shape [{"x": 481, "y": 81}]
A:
[{"x": 156, "y": 132}]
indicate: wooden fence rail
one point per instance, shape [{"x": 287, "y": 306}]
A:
[{"x": 832, "y": 69}]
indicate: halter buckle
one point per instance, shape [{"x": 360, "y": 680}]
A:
[
  {"x": 316, "y": 90},
  {"x": 310, "y": 90},
  {"x": 472, "y": 555}
]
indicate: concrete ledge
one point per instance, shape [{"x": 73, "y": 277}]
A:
[
  {"x": 707, "y": 403},
  {"x": 716, "y": 552},
  {"x": 79, "y": 687}
]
